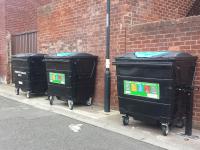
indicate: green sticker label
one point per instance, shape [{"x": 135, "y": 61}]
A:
[
  {"x": 57, "y": 78},
  {"x": 142, "y": 89}
]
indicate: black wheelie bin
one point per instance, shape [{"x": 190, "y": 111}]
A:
[
  {"x": 29, "y": 73},
  {"x": 71, "y": 77},
  {"x": 153, "y": 86}
]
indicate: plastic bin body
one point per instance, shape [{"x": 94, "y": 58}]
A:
[
  {"x": 148, "y": 87},
  {"x": 71, "y": 77},
  {"x": 29, "y": 73}
]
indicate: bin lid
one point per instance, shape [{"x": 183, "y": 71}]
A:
[
  {"x": 66, "y": 54},
  {"x": 158, "y": 55},
  {"x": 27, "y": 55},
  {"x": 69, "y": 55}
]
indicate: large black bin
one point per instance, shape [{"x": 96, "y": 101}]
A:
[
  {"x": 71, "y": 77},
  {"x": 29, "y": 73},
  {"x": 153, "y": 86}
]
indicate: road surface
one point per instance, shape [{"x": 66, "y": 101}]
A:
[{"x": 23, "y": 127}]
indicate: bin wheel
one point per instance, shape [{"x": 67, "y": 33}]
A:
[
  {"x": 165, "y": 129},
  {"x": 51, "y": 99},
  {"x": 28, "y": 94},
  {"x": 58, "y": 97},
  {"x": 70, "y": 104},
  {"x": 17, "y": 91},
  {"x": 89, "y": 102},
  {"x": 125, "y": 120},
  {"x": 180, "y": 123}
]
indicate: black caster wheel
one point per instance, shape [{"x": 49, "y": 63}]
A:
[
  {"x": 89, "y": 102},
  {"x": 51, "y": 99},
  {"x": 58, "y": 97},
  {"x": 125, "y": 120},
  {"x": 70, "y": 104},
  {"x": 17, "y": 91},
  {"x": 180, "y": 123},
  {"x": 28, "y": 94},
  {"x": 165, "y": 129}
]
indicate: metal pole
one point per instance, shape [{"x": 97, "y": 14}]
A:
[
  {"x": 189, "y": 107},
  {"x": 189, "y": 111},
  {"x": 107, "y": 71}
]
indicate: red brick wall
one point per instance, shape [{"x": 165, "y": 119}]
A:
[
  {"x": 140, "y": 11},
  {"x": 80, "y": 26},
  {"x": 2, "y": 40},
  {"x": 182, "y": 34},
  {"x": 17, "y": 16},
  {"x": 21, "y": 15},
  {"x": 195, "y": 10}
]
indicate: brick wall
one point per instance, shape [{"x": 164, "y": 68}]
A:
[
  {"x": 21, "y": 15},
  {"x": 195, "y": 10},
  {"x": 140, "y": 11},
  {"x": 17, "y": 16},
  {"x": 182, "y": 34},
  {"x": 2, "y": 40},
  {"x": 80, "y": 26}
]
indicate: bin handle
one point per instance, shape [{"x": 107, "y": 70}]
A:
[
  {"x": 135, "y": 63},
  {"x": 48, "y": 60},
  {"x": 94, "y": 64},
  {"x": 20, "y": 59}
]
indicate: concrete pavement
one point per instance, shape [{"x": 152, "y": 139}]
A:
[
  {"x": 110, "y": 121},
  {"x": 23, "y": 127}
]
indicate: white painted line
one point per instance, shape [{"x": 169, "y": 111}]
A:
[{"x": 75, "y": 127}]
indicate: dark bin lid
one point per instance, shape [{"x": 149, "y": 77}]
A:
[
  {"x": 157, "y": 55},
  {"x": 69, "y": 55},
  {"x": 27, "y": 55}
]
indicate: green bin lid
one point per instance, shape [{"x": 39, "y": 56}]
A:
[
  {"x": 149, "y": 54},
  {"x": 65, "y": 54}
]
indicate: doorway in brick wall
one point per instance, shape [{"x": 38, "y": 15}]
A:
[{"x": 24, "y": 43}]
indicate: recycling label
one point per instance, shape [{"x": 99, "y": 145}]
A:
[
  {"x": 57, "y": 78},
  {"x": 142, "y": 89}
]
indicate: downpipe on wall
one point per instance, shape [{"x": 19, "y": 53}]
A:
[{"x": 107, "y": 71}]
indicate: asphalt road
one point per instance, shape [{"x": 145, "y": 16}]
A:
[{"x": 23, "y": 127}]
